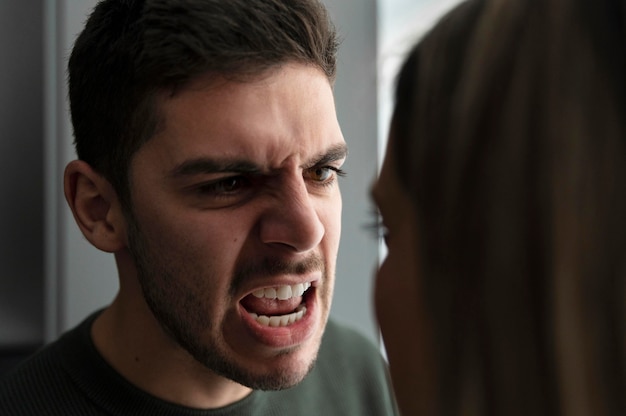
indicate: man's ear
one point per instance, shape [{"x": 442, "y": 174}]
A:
[{"x": 96, "y": 207}]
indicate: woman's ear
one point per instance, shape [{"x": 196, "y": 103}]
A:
[{"x": 96, "y": 207}]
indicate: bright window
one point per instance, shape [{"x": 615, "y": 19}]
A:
[{"x": 400, "y": 24}]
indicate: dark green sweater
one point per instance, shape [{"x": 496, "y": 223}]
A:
[{"x": 69, "y": 377}]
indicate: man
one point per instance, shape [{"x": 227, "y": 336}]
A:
[{"x": 208, "y": 158}]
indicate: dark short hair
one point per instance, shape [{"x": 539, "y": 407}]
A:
[{"x": 132, "y": 50}]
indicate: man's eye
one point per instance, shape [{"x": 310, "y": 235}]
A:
[
  {"x": 323, "y": 173},
  {"x": 224, "y": 186}
]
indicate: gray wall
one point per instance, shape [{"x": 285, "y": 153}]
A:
[
  {"x": 21, "y": 173},
  {"x": 55, "y": 277},
  {"x": 355, "y": 93}
]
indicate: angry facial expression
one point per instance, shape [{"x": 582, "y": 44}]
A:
[{"x": 235, "y": 222}]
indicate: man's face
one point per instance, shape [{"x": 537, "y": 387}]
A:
[{"x": 236, "y": 222}]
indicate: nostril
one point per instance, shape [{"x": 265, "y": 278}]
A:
[{"x": 298, "y": 232}]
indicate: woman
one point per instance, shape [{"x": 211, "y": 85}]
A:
[{"x": 503, "y": 200}]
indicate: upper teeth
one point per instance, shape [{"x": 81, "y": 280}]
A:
[{"x": 282, "y": 292}]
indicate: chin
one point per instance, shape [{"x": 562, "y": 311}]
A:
[{"x": 284, "y": 371}]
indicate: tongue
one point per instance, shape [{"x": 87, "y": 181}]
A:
[{"x": 270, "y": 307}]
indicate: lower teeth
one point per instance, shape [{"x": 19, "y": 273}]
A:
[{"x": 283, "y": 320}]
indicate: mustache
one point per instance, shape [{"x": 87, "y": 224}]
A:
[{"x": 269, "y": 267}]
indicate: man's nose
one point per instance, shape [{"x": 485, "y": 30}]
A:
[{"x": 292, "y": 219}]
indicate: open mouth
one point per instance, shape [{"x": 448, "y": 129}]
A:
[{"x": 278, "y": 306}]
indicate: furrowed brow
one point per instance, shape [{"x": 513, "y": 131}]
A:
[
  {"x": 336, "y": 152},
  {"x": 204, "y": 166}
]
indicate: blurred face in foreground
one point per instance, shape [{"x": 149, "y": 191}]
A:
[
  {"x": 398, "y": 297},
  {"x": 236, "y": 222}
]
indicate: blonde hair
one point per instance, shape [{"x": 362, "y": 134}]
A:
[{"x": 510, "y": 129}]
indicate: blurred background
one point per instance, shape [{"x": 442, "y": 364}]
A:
[{"x": 51, "y": 277}]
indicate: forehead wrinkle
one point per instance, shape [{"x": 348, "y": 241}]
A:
[{"x": 212, "y": 165}]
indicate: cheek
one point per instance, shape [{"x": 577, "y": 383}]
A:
[
  {"x": 406, "y": 331},
  {"x": 397, "y": 280},
  {"x": 199, "y": 238},
  {"x": 394, "y": 291},
  {"x": 397, "y": 301}
]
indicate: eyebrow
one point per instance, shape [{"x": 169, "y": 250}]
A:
[
  {"x": 334, "y": 153},
  {"x": 205, "y": 165}
]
